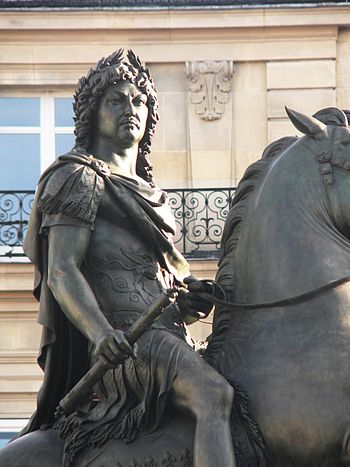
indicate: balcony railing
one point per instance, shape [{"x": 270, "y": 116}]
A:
[
  {"x": 15, "y": 207},
  {"x": 199, "y": 214}
]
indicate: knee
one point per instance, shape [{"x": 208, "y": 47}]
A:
[
  {"x": 216, "y": 400},
  {"x": 222, "y": 397}
]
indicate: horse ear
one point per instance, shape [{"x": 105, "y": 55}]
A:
[{"x": 307, "y": 125}]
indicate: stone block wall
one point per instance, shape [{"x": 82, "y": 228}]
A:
[{"x": 297, "y": 57}]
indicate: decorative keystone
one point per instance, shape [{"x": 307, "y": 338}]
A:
[{"x": 210, "y": 86}]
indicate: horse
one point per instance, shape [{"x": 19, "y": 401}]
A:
[
  {"x": 281, "y": 333},
  {"x": 285, "y": 268}
]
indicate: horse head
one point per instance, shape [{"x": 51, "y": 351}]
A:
[
  {"x": 328, "y": 136},
  {"x": 287, "y": 232}
]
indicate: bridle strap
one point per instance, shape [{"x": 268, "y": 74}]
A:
[{"x": 326, "y": 163}]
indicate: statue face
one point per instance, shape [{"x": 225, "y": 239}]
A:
[{"x": 122, "y": 114}]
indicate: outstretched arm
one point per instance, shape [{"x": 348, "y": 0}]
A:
[{"x": 67, "y": 249}]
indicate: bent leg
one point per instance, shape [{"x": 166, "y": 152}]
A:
[
  {"x": 37, "y": 449},
  {"x": 198, "y": 389}
]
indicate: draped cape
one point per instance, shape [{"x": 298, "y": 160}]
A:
[{"x": 73, "y": 185}]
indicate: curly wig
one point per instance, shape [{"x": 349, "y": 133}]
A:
[{"x": 90, "y": 89}]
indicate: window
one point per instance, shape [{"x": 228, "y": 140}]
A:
[
  {"x": 33, "y": 131},
  {"x": 10, "y": 428},
  {"x": 19, "y": 142},
  {"x": 5, "y": 437},
  {"x": 64, "y": 137}
]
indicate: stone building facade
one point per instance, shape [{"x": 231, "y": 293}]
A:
[{"x": 224, "y": 71}]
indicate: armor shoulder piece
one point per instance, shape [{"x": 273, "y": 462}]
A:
[{"x": 74, "y": 190}]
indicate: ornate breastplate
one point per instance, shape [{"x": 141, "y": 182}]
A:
[{"x": 121, "y": 267}]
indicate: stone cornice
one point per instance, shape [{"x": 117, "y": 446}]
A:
[
  {"x": 154, "y": 4},
  {"x": 174, "y": 19}
]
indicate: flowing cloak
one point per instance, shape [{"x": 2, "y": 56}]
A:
[{"x": 63, "y": 354}]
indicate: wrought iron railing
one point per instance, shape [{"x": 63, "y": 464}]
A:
[
  {"x": 15, "y": 207},
  {"x": 199, "y": 214}
]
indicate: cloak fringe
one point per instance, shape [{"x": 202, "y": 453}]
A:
[
  {"x": 54, "y": 205},
  {"x": 255, "y": 436},
  {"x": 77, "y": 439}
]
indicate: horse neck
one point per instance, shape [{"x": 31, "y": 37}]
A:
[{"x": 288, "y": 242}]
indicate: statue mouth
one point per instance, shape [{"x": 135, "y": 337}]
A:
[{"x": 131, "y": 123}]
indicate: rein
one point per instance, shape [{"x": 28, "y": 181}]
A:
[{"x": 287, "y": 301}]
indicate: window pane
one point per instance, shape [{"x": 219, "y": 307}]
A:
[
  {"x": 3, "y": 442},
  {"x": 20, "y": 161},
  {"x": 5, "y": 438},
  {"x": 64, "y": 143},
  {"x": 19, "y": 111},
  {"x": 64, "y": 111}
]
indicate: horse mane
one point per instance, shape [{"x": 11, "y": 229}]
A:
[
  {"x": 252, "y": 178},
  {"x": 250, "y": 181}
]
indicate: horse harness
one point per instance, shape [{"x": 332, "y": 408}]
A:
[{"x": 326, "y": 162}]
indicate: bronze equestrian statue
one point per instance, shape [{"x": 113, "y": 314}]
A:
[{"x": 100, "y": 236}]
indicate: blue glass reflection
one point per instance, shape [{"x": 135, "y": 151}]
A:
[
  {"x": 19, "y": 111},
  {"x": 63, "y": 111},
  {"x": 20, "y": 161},
  {"x": 64, "y": 143},
  {"x": 5, "y": 437}
]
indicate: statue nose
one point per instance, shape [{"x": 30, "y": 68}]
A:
[{"x": 130, "y": 107}]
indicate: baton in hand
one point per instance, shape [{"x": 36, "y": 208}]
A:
[{"x": 68, "y": 404}]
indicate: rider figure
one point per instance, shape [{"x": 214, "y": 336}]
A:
[{"x": 108, "y": 232}]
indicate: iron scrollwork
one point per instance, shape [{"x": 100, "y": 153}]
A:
[
  {"x": 15, "y": 207},
  {"x": 199, "y": 214}
]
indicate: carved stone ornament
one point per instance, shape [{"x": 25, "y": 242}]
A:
[{"x": 210, "y": 85}]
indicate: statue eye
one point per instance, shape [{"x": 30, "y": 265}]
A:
[
  {"x": 115, "y": 100},
  {"x": 141, "y": 99}
]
